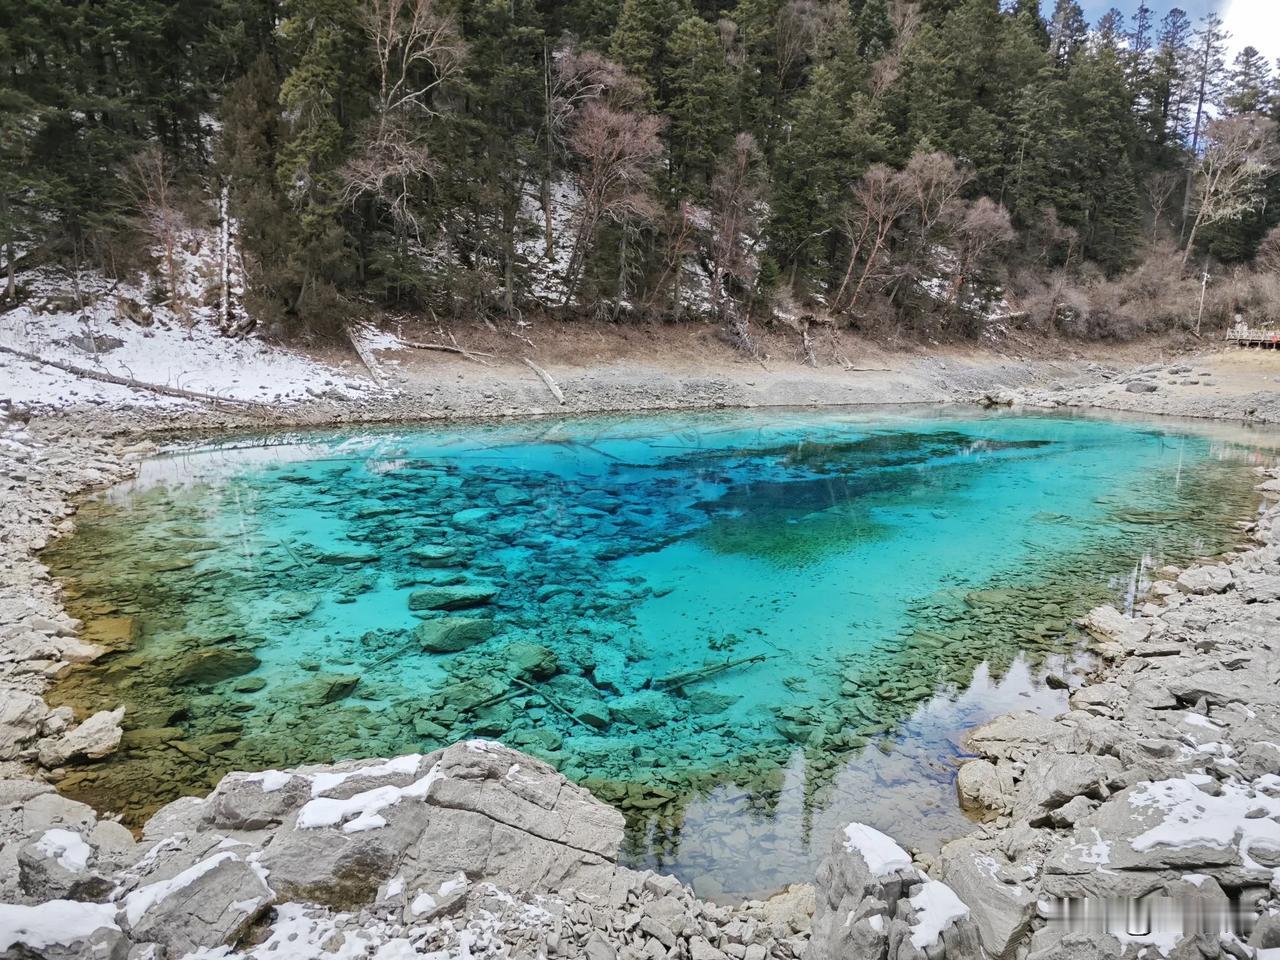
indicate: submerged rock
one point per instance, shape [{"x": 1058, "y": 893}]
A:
[
  {"x": 433, "y": 555},
  {"x": 458, "y": 597},
  {"x": 214, "y": 665},
  {"x": 532, "y": 661},
  {"x": 451, "y": 634}
]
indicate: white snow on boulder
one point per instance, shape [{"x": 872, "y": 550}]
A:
[
  {"x": 362, "y": 812},
  {"x": 937, "y": 907},
  {"x": 55, "y": 923},
  {"x": 882, "y": 855},
  {"x": 144, "y": 898},
  {"x": 66, "y": 847}
]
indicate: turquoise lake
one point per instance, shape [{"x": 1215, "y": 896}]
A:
[{"x": 744, "y": 629}]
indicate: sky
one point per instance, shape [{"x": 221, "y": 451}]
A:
[{"x": 1251, "y": 22}]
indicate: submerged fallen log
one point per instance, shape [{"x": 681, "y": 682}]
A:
[
  {"x": 104, "y": 377},
  {"x": 674, "y": 680}
]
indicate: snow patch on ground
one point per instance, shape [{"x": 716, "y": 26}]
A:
[
  {"x": 110, "y": 327},
  {"x": 363, "y": 811}
]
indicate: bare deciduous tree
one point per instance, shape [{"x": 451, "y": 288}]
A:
[
  {"x": 416, "y": 49},
  {"x": 1268, "y": 258},
  {"x": 1239, "y": 154},
  {"x": 799, "y": 25},
  {"x": 1160, "y": 187},
  {"x": 906, "y": 20},
  {"x": 879, "y": 199},
  {"x": 151, "y": 183},
  {"x": 735, "y": 218},
  {"x": 984, "y": 227},
  {"x": 617, "y": 152},
  {"x": 677, "y": 244},
  {"x": 935, "y": 182},
  {"x": 573, "y": 79}
]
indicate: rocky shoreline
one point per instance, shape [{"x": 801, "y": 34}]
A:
[{"x": 1162, "y": 779}]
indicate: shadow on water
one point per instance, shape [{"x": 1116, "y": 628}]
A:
[{"x": 575, "y": 589}]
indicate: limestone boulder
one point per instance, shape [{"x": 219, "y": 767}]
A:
[
  {"x": 1013, "y": 736},
  {"x": 95, "y": 738},
  {"x": 1259, "y": 587},
  {"x": 21, "y": 715},
  {"x": 872, "y": 903},
  {"x": 1204, "y": 580},
  {"x": 1050, "y": 782},
  {"x": 209, "y": 904},
  {"x": 255, "y": 801},
  {"x": 61, "y": 930},
  {"x": 1000, "y": 896},
  {"x": 981, "y": 787},
  {"x": 1108, "y": 624}
]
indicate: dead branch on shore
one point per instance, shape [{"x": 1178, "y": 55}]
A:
[
  {"x": 445, "y": 348},
  {"x": 367, "y": 358},
  {"x": 546, "y": 378},
  {"x": 104, "y": 377}
]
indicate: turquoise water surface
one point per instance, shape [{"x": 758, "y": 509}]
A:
[{"x": 741, "y": 628}]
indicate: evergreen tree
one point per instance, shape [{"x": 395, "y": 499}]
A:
[
  {"x": 831, "y": 139},
  {"x": 1076, "y": 137},
  {"x": 1249, "y": 89},
  {"x": 701, "y": 87},
  {"x": 1027, "y": 13},
  {"x": 322, "y": 94},
  {"x": 642, "y": 42},
  {"x": 1068, "y": 31},
  {"x": 874, "y": 29},
  {"x": 961, "y": 85}
]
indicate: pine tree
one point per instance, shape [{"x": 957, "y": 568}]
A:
[
  {"x": 642, "y": 42},
  {"x": 323, "y": 95},
  {"x": 1076, "y": 137},
  {"x": 832, "y": 138},
  {"x": 701, "y": 88},
  {"x": 1068, "y": 31},
  {"x": 1027, "y": 14},
  {"x": 1249, "y": 89},
  {"x": 1208, "y": 71},
  {"x": 1167, "y": 94},
  {"x": 961, "y": 85},
  {"x": 874, "y": 29}
]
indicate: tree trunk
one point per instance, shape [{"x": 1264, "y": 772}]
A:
[{"x": 10, "y": 253}]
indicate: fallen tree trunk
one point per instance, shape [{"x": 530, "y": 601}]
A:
[
  {"x": 675, "y": 680},
  {"x": 370, "y": 363},
  {"x": 130, "y": 382},
  {"x": 469, "y": 354},
  {"x": 546, "y": 378}
]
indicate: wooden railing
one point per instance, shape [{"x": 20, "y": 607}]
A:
[{"x": 1254, "y": 337}]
